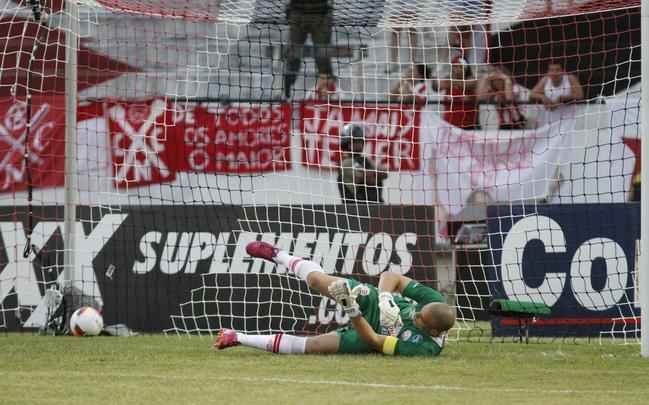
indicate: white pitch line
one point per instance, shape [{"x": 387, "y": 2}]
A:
[
  {"x": 294, "y": 381},
  {"x": 435, "y": 387}
]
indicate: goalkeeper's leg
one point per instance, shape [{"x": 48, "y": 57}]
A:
[
  {"x": 279, "y": 343},
  {"x": 307, "y": 270}
]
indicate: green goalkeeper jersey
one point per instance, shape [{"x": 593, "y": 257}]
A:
[{"x": 412, "y": 341}]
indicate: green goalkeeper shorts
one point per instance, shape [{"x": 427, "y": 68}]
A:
[{"x": 368, "y": 301}]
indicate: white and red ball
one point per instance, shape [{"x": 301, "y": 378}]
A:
[{"x": 86, "y": 321}]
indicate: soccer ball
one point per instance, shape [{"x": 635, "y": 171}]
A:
[{"x": 86, "y": 321}]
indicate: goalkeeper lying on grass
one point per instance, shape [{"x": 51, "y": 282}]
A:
[{"x": 381, "y": 319}]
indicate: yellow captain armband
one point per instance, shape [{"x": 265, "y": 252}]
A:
[{"x": 389, "y": 345}]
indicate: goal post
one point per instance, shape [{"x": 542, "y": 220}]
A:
[
  {"x": 503, "y": 136},
  {"x": 644, "y": 237},
  {"x": 71, "y": 182}
]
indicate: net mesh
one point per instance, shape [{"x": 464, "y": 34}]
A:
[{"x": 203, "y": 125}]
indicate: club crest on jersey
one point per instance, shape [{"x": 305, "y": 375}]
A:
[
  {"x": 363, "y": 290},
  {"x": 406, "y": 335}
]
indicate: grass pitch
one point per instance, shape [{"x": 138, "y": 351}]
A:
[{"x": 172, "y": 370}]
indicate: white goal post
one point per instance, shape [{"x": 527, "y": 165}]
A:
[
  {"x": 644, "y": 237},
  {"x": 71, "y": 183}
]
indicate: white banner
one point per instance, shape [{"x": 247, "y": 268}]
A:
[{"x": 553, "y": 163}]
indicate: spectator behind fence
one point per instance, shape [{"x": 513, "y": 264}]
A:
[
  {"x": 557, "y": 87},
  {"x": 307, "y": 17},
  {"x": 412, "y": 86},
  {"x": 359, "y": 180},
  {"x": 460, "y": 96},
  {"x": 498, "y": 88}
]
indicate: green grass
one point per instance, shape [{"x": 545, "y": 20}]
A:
[{"x": 168, "y": 370}]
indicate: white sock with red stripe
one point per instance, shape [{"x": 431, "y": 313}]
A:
[
  {"x": 297, "y": 265},
  {"x": 279, "y": 343}
]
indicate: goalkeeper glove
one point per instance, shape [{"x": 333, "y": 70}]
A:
[
  {"x": 340, "y": 291},
  {"x": 390, "y": 313}
]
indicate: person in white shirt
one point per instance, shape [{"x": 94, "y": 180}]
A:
[{"x": 557, "y": 88}]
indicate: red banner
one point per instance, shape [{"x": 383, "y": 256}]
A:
[
  {"x": 234, "y": 139},
  {"x": 139, "y": 132},
  {"x": 153, "y": 140},
  {"x": 391, "y": 134},
  {"x": 45, "y": 145},
  {"x": 150, "y": 141}
]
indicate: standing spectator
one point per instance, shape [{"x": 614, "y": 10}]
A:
[
  {"x": 359, "y": 180},
  {"x": 307, "y": 17},
  {"x": 412, "y": 87},
  {"x": 497, "y": 88},
  {"x": 557, "y": 87},
  {"x": 460, "y": 96}
]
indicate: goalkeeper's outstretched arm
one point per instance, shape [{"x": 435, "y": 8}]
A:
[{"x": 380, "y": 343}]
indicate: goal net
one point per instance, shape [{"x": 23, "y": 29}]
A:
[{"x": 499, "y": 158}]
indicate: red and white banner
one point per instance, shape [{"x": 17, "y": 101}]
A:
[
  {"x": 138, "y": 138},
  {"x": 233, "y": 138},
  {"x": 481, "y": 166},
  {"x": 391, "y": 134},
  {"x": 44, "y": 146},
  {"x": 150, "y": 141},
  {"x": 153, "y": 140},
  {"x": 553, "y": 163}
]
